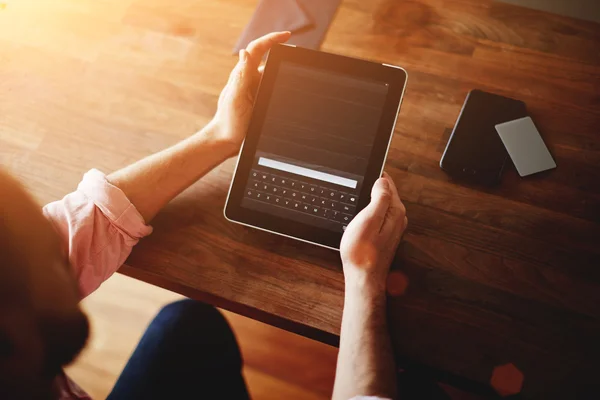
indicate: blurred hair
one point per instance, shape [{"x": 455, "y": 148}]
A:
[{"x": 41, "y": 325}]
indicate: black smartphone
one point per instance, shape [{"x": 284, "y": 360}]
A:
[{"x": 475, "y": 151}]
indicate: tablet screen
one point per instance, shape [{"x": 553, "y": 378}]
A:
[{"x": 314, "y": 146}]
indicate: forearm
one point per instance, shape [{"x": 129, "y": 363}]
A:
[
  {"x": 155, "y": 180},
  {"x": 365, "y": 361}
]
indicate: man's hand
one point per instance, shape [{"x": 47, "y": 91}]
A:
[
  {"x": 370, "y": 241},
  {"x": 237, "y": 98},
  {"x": 366, "y": 359}
]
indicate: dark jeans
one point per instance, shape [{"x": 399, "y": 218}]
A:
[{"x": 188, "y": 352}]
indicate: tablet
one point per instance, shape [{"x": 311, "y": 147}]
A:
[{"x": 317, "y": 141}]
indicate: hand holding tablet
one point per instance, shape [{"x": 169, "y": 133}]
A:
[
  {"x": 316, "y": 143},
  {"x": 237, "y": 97},
  {"x": 371, "y": 240}
]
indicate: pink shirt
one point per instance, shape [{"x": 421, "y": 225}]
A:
[{"x": 98, "y": 226}]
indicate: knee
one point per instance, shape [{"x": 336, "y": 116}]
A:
[
  {"x": 197, "y": 320},
  {"x": 192, "y": 313},
  {"x": 188, "y": 308},
  {"x": 199, "y": 328}
]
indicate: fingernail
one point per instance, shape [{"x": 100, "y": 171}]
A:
[{"x": 243, "y": 55}]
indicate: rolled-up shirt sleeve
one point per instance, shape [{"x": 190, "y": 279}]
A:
[{"x": 98, "y": 226}]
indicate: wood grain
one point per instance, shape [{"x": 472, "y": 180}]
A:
[{"x": 496, "y": 275}]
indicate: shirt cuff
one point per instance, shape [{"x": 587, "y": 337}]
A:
[{"x": 114, "y": 204}]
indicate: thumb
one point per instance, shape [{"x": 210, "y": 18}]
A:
[
  {"x": 239, "y": 75},
  {"x": 372, "y": 216},
  {"x": 381, "y": 198}
]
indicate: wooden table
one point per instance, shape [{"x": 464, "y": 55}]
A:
[{"x": 503, "y": 275}]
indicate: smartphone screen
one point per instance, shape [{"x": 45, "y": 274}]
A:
[{"x": 475, "y": 151}]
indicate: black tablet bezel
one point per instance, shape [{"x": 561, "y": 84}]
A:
[{"x": 396, "y": 78}]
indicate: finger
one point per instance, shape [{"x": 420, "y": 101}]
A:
[
  {"x": 257, "y": 78},
  {"x": 394, "y": 219},
  {"x": 258, "y": 47}
]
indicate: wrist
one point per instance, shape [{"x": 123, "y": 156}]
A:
[
  {"x": 219, "y": 140},
  {"x": 365, "y": 285}
]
